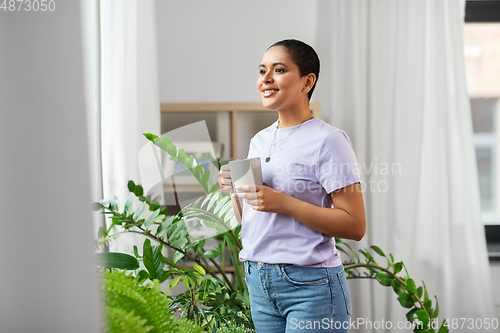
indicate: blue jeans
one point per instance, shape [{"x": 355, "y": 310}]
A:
[{"x": 288, "y": 298}]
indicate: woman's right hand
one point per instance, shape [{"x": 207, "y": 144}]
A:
[{"x": 225, "y": 182}]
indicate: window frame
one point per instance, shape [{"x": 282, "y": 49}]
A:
[{"x": 486, "y": 11}]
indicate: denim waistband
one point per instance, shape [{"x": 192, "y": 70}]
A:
[{"x": 262, "y": 265}]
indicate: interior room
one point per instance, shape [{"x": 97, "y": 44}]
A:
[{"x": 112, "y": 111}]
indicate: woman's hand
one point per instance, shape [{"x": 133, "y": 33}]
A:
[
  {"x": 224, "y": 179},
  {"x": 262, "y": 197}
]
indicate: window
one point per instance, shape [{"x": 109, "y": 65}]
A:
[{"x": 482, "y": 64}]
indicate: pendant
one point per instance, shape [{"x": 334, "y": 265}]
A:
[{"x": 268, "y": 159}]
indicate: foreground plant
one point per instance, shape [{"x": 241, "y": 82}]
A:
[
  {"x": 212, "y": 298},
  {"x": 132, "y": 307}
]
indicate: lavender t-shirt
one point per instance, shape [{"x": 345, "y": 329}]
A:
[{"x": 315, "y": 160}]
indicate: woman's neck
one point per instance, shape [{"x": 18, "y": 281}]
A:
[{"x": 291, "y": 118}]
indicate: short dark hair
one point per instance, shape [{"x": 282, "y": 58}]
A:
[{"x": 304, "y": 56}]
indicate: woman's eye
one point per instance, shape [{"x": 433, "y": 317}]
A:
[
  {"x": 262, "y": 72},
  {"x": 280, "y": 70}
]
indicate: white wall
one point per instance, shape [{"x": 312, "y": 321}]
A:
[{"x": 209, "y": 51}]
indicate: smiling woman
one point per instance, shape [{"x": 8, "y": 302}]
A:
[{"x": 311, "y": 194}]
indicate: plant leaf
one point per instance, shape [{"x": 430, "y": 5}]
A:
[
  {"x": 175, "y": 281},
  {"x": 117, "y": 260},
  {"x": 210, "y": 254},
  {"x": 128, "y": 205},
  {"x": 153, "y": 259},
  {"x": 138, "y": 191},
  {"x": 444, "y": 327},
  {"x": 398, "y": 267},
  {"x": 199, "y": 269},
  {"x": 411, "y": 285},
  {"x": 142, "y": 276},
  {"x": 406, "y": 300},
  {"x": 418, "y": 316},
  {"x": 150, "y": 218},
  {"x": 131, "y": 186},
  {"x": 139, "y": 211},
  {"x": 384, "y": 278},
  {"x": 398, "y": 287},
  {"x": 436, "y": 310},
  {"x": 378, "y": 250},
  {"x": 368, "y": 256},
  {"x": 178, "y": 256},
  {"x": 426, "y": 295},
  {"x": 419, "y": 292}
]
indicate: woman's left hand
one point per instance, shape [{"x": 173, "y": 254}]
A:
[{"x": 262, "y": 197}]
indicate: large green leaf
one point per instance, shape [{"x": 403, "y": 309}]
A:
[
  {"x": 153, "y": 259},
  {"x": 117, "y": 260}
]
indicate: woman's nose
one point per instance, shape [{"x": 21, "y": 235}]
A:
[{"x": 268, "y": 77}]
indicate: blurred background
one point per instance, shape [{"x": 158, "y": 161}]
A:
[{"x": 415, "y": 85}]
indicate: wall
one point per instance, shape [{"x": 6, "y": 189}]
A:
[{"x": 209, "y": 51}]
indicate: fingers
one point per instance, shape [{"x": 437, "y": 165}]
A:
[
  {"x": 248, "y": 188},
  {"x": 224, "y": 179},
  {"x": 247, "y": 195}
]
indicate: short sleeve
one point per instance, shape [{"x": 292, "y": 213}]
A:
[
  {"x": 250, "y": 146},
  {"x": 336, "y": 165}
]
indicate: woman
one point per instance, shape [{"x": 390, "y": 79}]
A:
[{"x": 311, "y": 194}]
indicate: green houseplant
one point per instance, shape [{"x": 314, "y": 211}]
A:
[{"x": 212, "y": 298}]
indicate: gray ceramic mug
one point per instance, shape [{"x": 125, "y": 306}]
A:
[{"x": 246, "y": 172}]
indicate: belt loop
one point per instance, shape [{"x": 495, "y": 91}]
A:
[{"x": 247, "y": 267}]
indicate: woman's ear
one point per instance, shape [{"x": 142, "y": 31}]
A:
[{"x": 310, "y": 79}]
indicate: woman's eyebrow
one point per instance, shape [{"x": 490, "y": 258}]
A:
[{"x": 274, "y": 65}]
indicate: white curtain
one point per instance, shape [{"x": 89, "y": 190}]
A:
[
  {"x": 393, "y": 78},
  {"x": 130, "y": 104},
  {"x": 48, "y": 280}
]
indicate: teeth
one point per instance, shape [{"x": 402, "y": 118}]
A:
[{"x": 269, "y": 91}]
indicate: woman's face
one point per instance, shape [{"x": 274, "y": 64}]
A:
[{"x": 280, "y": 84}]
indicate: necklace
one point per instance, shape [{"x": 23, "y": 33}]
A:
[{"x": 275, "y": 145}]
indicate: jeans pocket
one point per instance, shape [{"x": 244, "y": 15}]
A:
[
  {"x": 345, "y": 290},
  {"x": 304, "y": 276}
]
